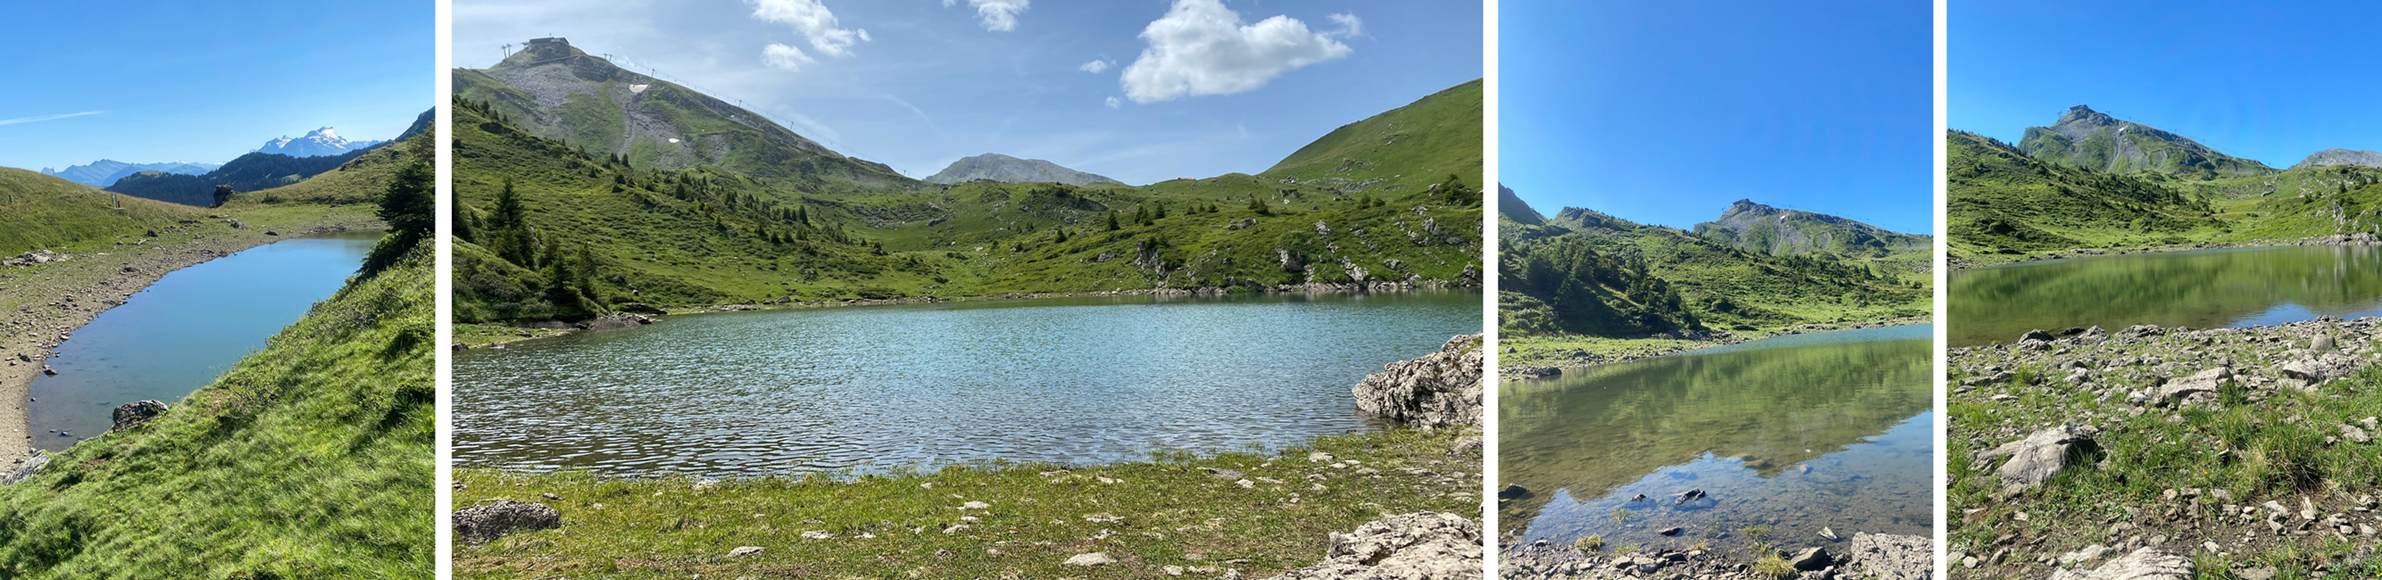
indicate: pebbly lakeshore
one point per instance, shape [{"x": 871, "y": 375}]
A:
[{"x": 2168, "y": 452}]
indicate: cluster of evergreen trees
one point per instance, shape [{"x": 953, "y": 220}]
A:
[
  {"x": 567, "y": 275},
  {"x": 1592, "y": 292}
]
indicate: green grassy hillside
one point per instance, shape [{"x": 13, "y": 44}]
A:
[
  {"x": 1590, "y": 274},
  {"x": 613, "y": 232},
  {"x": 310, "y": 459},
  {"x": 2004, "y": 202},
  {"x": 52, "y": 213},
  {"x": 1404, "y": 150},
  {"x": 359, "y": 180}
]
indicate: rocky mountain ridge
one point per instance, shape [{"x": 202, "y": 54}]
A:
[{"x": 1006, "y": 169}]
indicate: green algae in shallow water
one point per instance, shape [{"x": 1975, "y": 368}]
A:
[
  {"x": 2199, "y": 289},
  {"x": 1788, "y": 435}
]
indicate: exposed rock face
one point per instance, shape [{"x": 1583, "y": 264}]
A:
[
  {"x": 2092, "y": 140},
  {"x": 2040, "y": 456},
  {"x": 1893, "y": 557},
  {"x": 482, "y": 523},
  {"x": 23, "y": 468},
  {"x": 1441, "y": 389},
  {"x": 135, "y": 413},
  {"x": 1784, "y": 232},
  {"x": 1416, "y": 546},
  {"x": 2143, "y": 564},
  {"x": 617, "y": 320}
]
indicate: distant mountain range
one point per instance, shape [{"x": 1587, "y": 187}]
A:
[
  {"x": 251, "y": 172},
  {"x": 1006, "y": 169},
  {"x": 317, "y": 143},
  {"x": 103, "y": 172}
]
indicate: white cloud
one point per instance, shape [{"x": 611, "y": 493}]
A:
[
  {"x": 998, "y": 15},
  {"x": 37, "y": 119},
  {"x": 1096, "y": 67},
  {"x": 1114, "y": 103},
  {"x": 811, "y": 18},
  {"x": 1201, "y": 48},
  {"x": 782, "y": 57},
  {"x": 1350, "y": 25}
]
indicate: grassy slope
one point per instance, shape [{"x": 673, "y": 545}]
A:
[
  {"x": 972, "y": 239},
  {"x": 2299, "y": 203},
  {"x": 358, "y": 181},
  {"x": 48, "y": 212},
  {"x": 311, "y": 458},
  {"x": 1404, "y": 150},
  {"x": 1172, "y": 513},
  {"x": 2003, "y": 202}
]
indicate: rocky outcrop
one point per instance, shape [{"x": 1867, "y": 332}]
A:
[
  {"x": 1416, "y": 546},
  {"x": 483, "y": 523},
  {"x": 37, "y": 257},
  {"x": 2143, "y": 564},
  {"x": 1441, "y": 389},
  {"x": 135, "y": 413},
  {"x": 2040, "y": 456},
  {"x": 23, "y": 468},
  {"x": 616, "y": 321}
]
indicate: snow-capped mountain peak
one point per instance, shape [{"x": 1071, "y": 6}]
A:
[{"x": 318, "y": 142}]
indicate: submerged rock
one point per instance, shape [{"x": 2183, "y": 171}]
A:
[
  {"x": 483, "y": 523},
  {"x": 1416, "y": 546},
  {"x": 135, "y": 413},
  {"x": 1441, "y": 389}
]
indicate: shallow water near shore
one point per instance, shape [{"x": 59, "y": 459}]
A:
[
  {"x": 876, "y": 389},
  {"x": 1785, "y": 436},
  {"x": 181, "y": 332},
  {"x": 2198, "y": 289}
]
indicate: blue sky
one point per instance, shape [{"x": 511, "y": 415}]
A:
[
  {"x": 207, "y": 81},
  {"x": 933, "y": 82},
  {"x": 2271, "y": 81},
  {"x": 1666, "y": 111}
]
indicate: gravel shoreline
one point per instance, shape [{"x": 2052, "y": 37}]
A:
[{"x": 42, "y": 305}]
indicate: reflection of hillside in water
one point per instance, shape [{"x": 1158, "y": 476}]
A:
[
  {"x": 1596, "y": 429},
  {"x": 2196, "y": 289}
]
